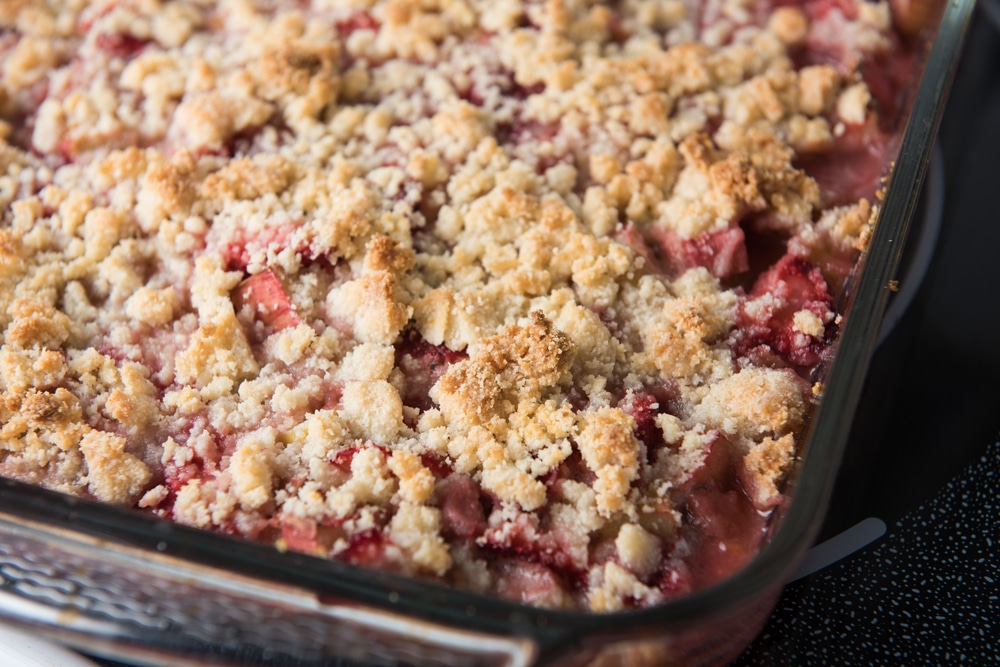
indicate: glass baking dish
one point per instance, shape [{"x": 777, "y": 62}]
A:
[{"x": 125, "y": 585}]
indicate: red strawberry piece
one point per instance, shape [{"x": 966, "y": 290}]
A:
[
  {"x": 357, "y": 21},
  {"x": 531, "y": 583},
  {"x": 122, "y": 45},
  {"x": 343, "y": 458},
  {"x": 367, "y": 548},
  {"x": 299, "y": 534},
  {"x": 769, "y": 333},
  {"x": 422, "y": 364},
  {"x": 264, "y": 294}
]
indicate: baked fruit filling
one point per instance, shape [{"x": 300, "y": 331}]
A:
[{"x": 523, "y": 297}]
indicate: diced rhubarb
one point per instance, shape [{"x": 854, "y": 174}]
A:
[
  {"x": 519, "y": 92},
  {"x": 437, "y": 464},
  {"x": 356, "y": 21},
  {"x": 476, "y": 94},
  {"x": 766, "y": 327},
  {"x": 617, "y": 31},
  {"x": 239, "y": 251},
  {"x": 524, "y": 538},
  {"x": 422, "y": 364},
  {"x": 461, "y": 512},
  {"x": 643, "y": 406},
  {"x": 236, "y": 255},
  {"x": 520, "y": 536},
  {"x": 367, "y": 548},
  {"x": 472, "y": 95},
  {"x": 723, "y": 253},
  {"x": 343, "y": 457},
  {"x": 264, "y": 294},
  {"x": 299, "y": 534},
  {"x": 176, "y": 477},
  {"x": 826, "y": 44},
  {"x": 629, "y": 235},
  {"x": 333, "y": 392},
  {"x": 531, "y": 583},
  {"x": 122, "y": 45}
]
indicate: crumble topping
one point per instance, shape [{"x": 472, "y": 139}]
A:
[{"x": 466, "y": 290}]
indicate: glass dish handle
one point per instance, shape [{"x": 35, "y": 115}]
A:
[{"x": 150, "y": 608}]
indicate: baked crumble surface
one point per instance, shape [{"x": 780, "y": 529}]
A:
[{"x": 459, "y": 289}]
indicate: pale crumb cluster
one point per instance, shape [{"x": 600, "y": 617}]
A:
[{"x": 299, "y": 272}]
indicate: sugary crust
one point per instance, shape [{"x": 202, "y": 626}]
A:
[
  {"x": 305, "y": 273},
  {"x": 768, "y": 462},
  {"x": 754, "y": 403},
  {"x": 516, "y": 366},
  {"x": 611, "y": 451}
]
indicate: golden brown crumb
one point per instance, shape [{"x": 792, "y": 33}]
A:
[
  {"x": 753, "y": 403},
  {"x": 386, "y": 254},
  {"x": 768, "y": 462},
  {"x": 789, "y": 24},
  {"x": 518, "y": 364},
  {"x": 370, "y": 301},
  {"x": 611, "y": 451},
  {"x": 249, "y": 179}
]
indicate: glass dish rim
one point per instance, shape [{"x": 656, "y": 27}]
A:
[{"x": 825, "y": 440}]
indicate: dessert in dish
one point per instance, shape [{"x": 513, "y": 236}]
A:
[{"x": 523, "y": 297}]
